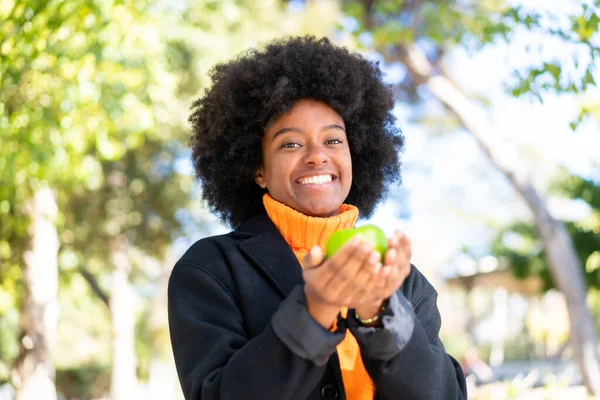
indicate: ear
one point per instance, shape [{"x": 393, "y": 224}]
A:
[{"x": 259, "y": 178}]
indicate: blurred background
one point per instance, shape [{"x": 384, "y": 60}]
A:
[{"x": 500, "y": 194}]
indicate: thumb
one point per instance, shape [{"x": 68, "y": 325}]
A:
[{"x": 313, "y": 258}]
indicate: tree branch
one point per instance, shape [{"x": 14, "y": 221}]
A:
[
  {"x": 562, "y": 258},
  {"x": 91, "y": 280}
]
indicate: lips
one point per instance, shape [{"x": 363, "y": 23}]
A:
[{"x": 318, "y": 179}]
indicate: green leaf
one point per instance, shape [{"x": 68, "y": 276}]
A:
[
  {"x": 554, "y": 69},
  {"x": 589, "y": 78}
]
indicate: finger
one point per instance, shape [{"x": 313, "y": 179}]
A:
[
  {"x": 397, "y": 278},
  {"x": 405, "y": 270},
  {"x": 369, "y": 269},
  {"x": 390, "y": 256},
  {"x": 374, "y": 277},
  {"x": 342, "y": 275},
  {"x": 313, "y": 258},
  {"x": 393, "y": 241},
  {"x": 313, "y": 276},
  {"x": 344, "y": 253},
  {"x": 381, "y": 278},
  {"x": 403, "y": 258},
  {"x": 369, "y": 276},
  {"x": 406, "y": 246},
  {"x": 392, "y": 282},
  {"x": 333, "y": 264},
  {"x": 361, "y": 283}
]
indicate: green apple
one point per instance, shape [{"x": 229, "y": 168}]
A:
[{"x": 370, "y": 233}]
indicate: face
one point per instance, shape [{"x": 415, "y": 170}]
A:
[{"x": 306, "y": 159}]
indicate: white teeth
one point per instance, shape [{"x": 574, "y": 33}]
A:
[{"x": 316, "y": 180}]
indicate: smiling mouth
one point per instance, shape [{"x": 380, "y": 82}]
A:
[{"x": 316, "y": 180}]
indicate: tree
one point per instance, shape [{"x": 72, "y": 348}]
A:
[
  {"x": 94, "y": 102},
  {"x": 28, "y": 202},
  {"x": 75, "y": 94},
  {"x": 397, "y": 29},
  {"x": 132, "y": 217},
  {"x": 520, "y": 245}
]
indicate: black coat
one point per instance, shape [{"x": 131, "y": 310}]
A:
[{"x": 240, "y": 328}]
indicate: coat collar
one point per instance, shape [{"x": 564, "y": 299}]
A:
[{"x": 270, "y": 253}]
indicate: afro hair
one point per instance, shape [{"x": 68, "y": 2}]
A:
[{"x": 247, "y": 92}]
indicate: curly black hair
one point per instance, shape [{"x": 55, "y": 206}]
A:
[{"x": 247, "y": 92}]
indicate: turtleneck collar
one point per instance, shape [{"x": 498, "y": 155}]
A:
[{"x": 301, "y": 231}]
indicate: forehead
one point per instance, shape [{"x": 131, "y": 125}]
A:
[{"x": 305, "y": 112}]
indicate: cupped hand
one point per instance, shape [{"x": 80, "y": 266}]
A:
[
  {"x": 345, "y": 278},
  {"x": 354, "y": 277},
  {"x": 395, "y": 271}
]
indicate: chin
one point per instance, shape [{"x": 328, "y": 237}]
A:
[{"x": 323, "y": 212}]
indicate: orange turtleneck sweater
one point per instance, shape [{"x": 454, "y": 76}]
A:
[{"x": 302, "y": 232}]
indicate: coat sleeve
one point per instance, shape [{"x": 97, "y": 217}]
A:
[
  {"x": 216, "y": 360},
  {"x": 405, "y": 357}
]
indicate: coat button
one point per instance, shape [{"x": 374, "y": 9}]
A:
[{"x": 329, "y": 392}]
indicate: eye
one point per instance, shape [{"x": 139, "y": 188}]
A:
[
  {"x": 289, "y": 145},
  {"x": 334, "y": 141}
]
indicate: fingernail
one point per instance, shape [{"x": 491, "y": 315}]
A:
[
  {"x": 387, "y": 270},
  {"x": 356, "y": 239},
  {"x": 377, "y": 268},
  {"x": 374, "y": 258},
  {"x": 391, "y": 255}
]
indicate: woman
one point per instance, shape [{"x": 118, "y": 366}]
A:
[{"x": 290, "y": 144}]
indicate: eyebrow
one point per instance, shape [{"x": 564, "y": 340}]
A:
[{"x": 296, "y": 130}]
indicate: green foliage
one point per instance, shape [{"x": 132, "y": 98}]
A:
[
  {"x": 436, "y": 25},
  {"x": 79, "y": 113},
  {"x": 139, "y": 197},
  {"x": 94, "y": 104},
  {"x": 585, "y": 233},
  {"x": 554, "y": 75},
  {"x": 9, "y": 321},
  {"x": 576, "y": 187},
  {"x": 74, "y": 81},
  {"x": 442, "y": 24},
  {"x": 520, "y": 245}
]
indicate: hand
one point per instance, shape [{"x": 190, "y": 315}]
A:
[
  {"x": 396, "y": 269},
  {"x": 343, "y": 280}
]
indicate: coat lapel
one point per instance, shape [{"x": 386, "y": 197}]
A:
[{"x": 270, "y": 254}]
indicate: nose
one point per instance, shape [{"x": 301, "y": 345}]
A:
[{"x": 316, "y": 155}]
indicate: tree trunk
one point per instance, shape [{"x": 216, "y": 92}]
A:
[
  {"x": 561, "y": 256},
  {"x": 122, "y": 311},
  {"x": 34, "y": 372},
  {"x": 162, "y": 381}
]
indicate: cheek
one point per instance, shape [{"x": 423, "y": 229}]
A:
[
  {"x": 348, "y": 167},
  {"x": 278, "y": 173}
]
